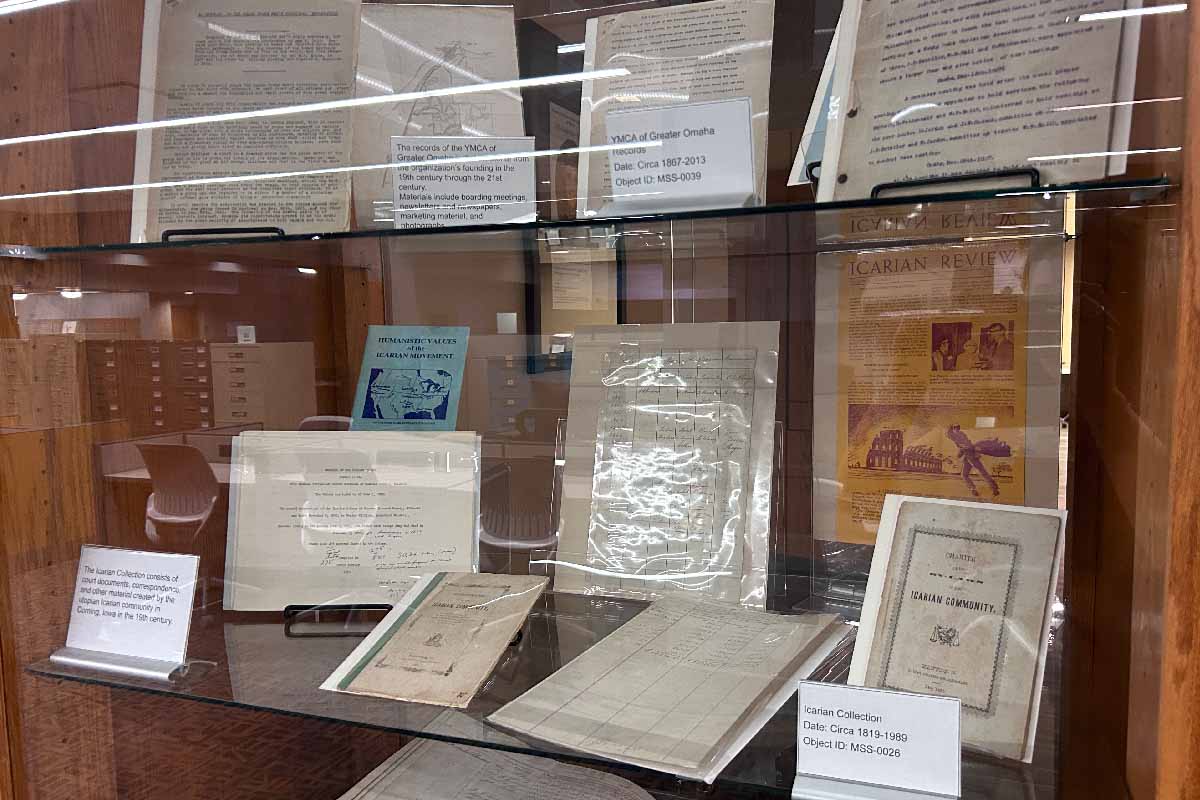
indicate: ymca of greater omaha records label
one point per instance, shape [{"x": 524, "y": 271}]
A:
[{"x": 895, "y": 739}]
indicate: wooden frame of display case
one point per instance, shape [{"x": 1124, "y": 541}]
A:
[{"x": 1132, "y": 669}]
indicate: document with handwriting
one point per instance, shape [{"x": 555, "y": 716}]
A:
[
  {"x": 347, "y": 517},
  {"x": 680, "y": 688},
  {"x": 430, "y": 770},
  {"x": 439, "y": 643},
  {"x": 958, "y": 604}
]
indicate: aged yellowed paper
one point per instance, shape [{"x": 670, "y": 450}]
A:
[
  {"x": 924, "y": 356},
  {"x": 205, "y": 58},
  {"x": 716, "y": 50},
  {"x": 958, "y": 604},
  {"x": 440, "y": 643},
  {"x": 937, "y": 88},
  {"x": 428, "y": 49}
]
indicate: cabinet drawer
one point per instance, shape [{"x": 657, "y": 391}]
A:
[{"x": 235, "y": 354}]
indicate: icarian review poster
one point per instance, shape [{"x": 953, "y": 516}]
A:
[
  {"x": 669, "y": 450},
  {"x": 939, "y": 88},
  {"x": 940, "y": 366},
  {"x": 205, "y": 57},
  {"x": 428, "y": 49},
  {"x": 958, "y": 604},
  {"x": 716, "y": 50}
]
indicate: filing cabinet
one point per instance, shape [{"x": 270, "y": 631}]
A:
[
  {"x": 157, "y": 385},
  {"x": 273, "y": 383}
]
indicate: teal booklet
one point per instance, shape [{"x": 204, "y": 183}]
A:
[{"x": 411, "y": 379}]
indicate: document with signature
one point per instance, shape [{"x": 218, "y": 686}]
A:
[
  {"x": 347, "y": 517},
  {"x": 681, "y": 688},
  {"x": 430, "y": 770},
  {"x": 442, "y": 640},
  {"x": 959, "y": 604}
]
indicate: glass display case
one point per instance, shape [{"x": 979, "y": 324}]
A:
[{"x": 694, "y": 303}]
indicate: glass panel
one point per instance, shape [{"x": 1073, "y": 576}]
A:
[
  {"x": 217, "y": 118},
  {"x": 926, "y": 311}
]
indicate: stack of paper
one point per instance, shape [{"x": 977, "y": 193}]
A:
[{"x": 681, "y": 688}]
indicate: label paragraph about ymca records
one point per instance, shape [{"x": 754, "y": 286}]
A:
[
  {"x": 470, "y": 180},
  {"x": 895, "y": 739},
  {"x": 133, "y": 603},
  {"x": 696, "y": 156}
]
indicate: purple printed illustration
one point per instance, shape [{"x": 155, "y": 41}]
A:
[{"x": 941, "y": 445}]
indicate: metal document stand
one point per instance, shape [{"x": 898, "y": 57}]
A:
[{"x": 129, "y": 666}]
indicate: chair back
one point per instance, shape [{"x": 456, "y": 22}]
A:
[
  {"x": 325, "y": 423},
  {"x": 183, "y": 481}
]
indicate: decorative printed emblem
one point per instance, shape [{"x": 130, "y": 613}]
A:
[{"x": 944, "y": 634}]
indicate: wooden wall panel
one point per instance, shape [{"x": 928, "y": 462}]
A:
[{"x": 1178, "y": 770}]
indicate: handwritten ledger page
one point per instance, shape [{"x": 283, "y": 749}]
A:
[
  {"x": 940, "y": 87},
  {"x": 717, "y": 50},
  {"x": 669, "y": 450},
  {"x": 427, "y": 48},
  {"x": 959, "y": 605},
  {"x": 205, "y": 57},
  {"x": 344, "y": 517},
  {"x": 940, "y": 366},
  {"x": 429, "y": 770},
  {"x": 441, "y": 642},
  {"x": 680, "y": 688}
]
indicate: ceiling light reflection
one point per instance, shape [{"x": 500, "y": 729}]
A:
[
  {"x": 13, "y": 6},
  {"x": 328, "y": 105},
  {"x": 1098, "y": 16},
  {"x": 263, "y": 176},
  {"x": 1106, "y": 154}
]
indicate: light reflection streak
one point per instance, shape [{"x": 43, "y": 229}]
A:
[
  {"x": 326, "y": 171},
  {"x": 328, "y": 105}
]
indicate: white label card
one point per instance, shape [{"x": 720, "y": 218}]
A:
[
  {"x": 480, "y": 181},
  {"x": 871, "y": 736},
  {"x": 697, "y": 156},
  {"x": 133, "y": 603},
  {"x": 247, "y": 334}
]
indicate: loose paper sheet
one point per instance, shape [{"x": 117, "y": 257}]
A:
[
  {"x": 440, "y": 642},
  {"x": 680, "y": 688},
  {"x": 429, "y": 770},
  {"x": 940, "y": 366},
  {"x": 944, "y": 88},
  {"x": 959, "y": 604},
  {"x": 669, "y": 452},
  {"x": 716, "y": 50},
  {"x": 319, "y": 517},
  {"x": 204, "y": 57},
  {"x": 425, "y": 48}
]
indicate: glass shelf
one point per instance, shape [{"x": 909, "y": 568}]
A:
[
  {"x": 1106, "y": 193},
  {"x": 247, "y": 661}
]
